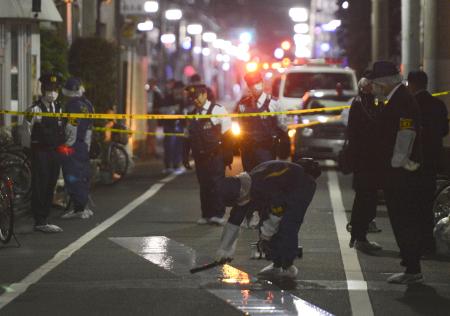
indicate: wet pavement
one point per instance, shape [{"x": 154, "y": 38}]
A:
[{"x": 133, "y": 258}]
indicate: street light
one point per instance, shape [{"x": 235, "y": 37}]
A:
[
  {"x": 206, "y": 51},
  {"x": 174, "y": 14},
  {"x": 151, "y": 6},
  {"x": 219, "y": 43},
  {"x": 278, "y": 53},
  {"x": 286, "y": 45},
  {"x": 331, "y": 26},
  {"x": 209, "y": 37},
  {"x": 301, "y": 28},
  {"x": 245, "y": 37},
  {"x": 145, "y": 26},
  {"x": 168, "y": 38},
  {"x": 194, "y": 29},
  {"x": 298, "y": 14},
  {"x": 345, "y": 5}
]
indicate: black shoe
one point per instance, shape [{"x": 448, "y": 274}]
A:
[{"x": 373, "y": 228}]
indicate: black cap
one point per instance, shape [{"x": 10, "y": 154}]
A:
[
  {"x": 252, "y": 78},
  {"x": 51, "y": 81},
  {"x": 383, "y": 69},
  {"x": 72, "y": 84},
  {"x": 418, "y": 77}
]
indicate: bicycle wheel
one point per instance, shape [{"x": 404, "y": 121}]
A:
[
  {"x": 118, "y": 162},
  {"x": 20, "y": 175},
  {"x": 441, "y": 206},
  {"x": 6, "y": 213}
]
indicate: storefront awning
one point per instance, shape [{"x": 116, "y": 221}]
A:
[{"x": 21, "y": 9}]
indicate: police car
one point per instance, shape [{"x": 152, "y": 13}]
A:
[{"x": 316, "y": 84}]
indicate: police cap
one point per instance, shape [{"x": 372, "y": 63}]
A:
[
  {"x": 193, "y": 91},
  {"x": 252, "y": 78},
  {"x": 51, "y": 81}
]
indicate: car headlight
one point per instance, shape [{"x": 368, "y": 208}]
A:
[{"x": 307, "y": 132}]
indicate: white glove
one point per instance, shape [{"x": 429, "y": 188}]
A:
[{"x": 228, "y": 241}]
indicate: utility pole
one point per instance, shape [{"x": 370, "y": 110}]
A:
[
  {"x": 410, "y": 35},
  {"x": 380, "y": 30},
  {"x": 98, "y": 20}
]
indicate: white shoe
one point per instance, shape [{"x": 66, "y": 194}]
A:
[
  {"x": 48, "y": 228},
  {"x": 179, "y": 170},
  {"x": 217, "y": 220},
  {"x": 290, "y": 272},
  {"x": 270, "y": 270},
  {"x": 405, "y": 278},
  {"x": 72, "y": 215},
  {"x": 202, "y": 221},
  {"x": 89, "y": 212}
]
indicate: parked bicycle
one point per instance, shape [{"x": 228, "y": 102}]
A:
[
  {"x": 441, "y": 206},
  {"x": 6, "y": 210},
  {"x": 15, "y": 165}
]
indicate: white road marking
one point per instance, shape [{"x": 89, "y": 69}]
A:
[
  {"x": 16, "y": 289},
  {"x": 356, "y": 284},
  {"x": 233, "y": 286}
]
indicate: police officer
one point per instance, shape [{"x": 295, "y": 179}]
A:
[
  {"x": 281, "y": 191},
  {"x": 434, "y": 128},
  {"x": 259, "y": 133},
  {"x": 47, "y": 134},
  {"x": 74, "y": 152},
  {"x": 400, "y": 156},
  {"x": 210, "y": 141}
]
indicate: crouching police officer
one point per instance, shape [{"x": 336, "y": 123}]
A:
[
  {"x": 47, "y": 134},
  {"x": 210, "y": 140},
  {"x": 75, "y": 151},
  {"x": 260, "y": 134},
  {"x": 281, "y": 191}
]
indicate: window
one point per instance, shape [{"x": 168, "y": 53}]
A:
[{"x": 298, "y": 83}]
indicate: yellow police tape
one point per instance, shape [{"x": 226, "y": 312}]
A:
[{"x": 112, "y": 116}]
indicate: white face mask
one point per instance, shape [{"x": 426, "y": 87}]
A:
[{"x": 51, "y": 96}]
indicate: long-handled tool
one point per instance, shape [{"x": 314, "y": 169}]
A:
[{"x": 210, "y": 265}]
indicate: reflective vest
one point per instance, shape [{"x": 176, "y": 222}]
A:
[
  {"x": 205, "y": 138},
  {"x": 259, "y": 130},
  {"x": 49, "y": 132}
]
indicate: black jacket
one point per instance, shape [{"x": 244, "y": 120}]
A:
[
  {"x": 434, "y": 128},
  {"x": 363, "y": 143},
  {"x": 402, "y": 108}
]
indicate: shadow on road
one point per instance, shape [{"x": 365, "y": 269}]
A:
[{"x": 425, "y": 300}]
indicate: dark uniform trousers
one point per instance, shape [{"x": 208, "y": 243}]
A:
[
  {"x": 45, "y": 166},
  {"x": 428, "y": 180},
  {"x": 253, "y": 155},
  {"x": 363, "y": 212},
  {"x": 210, "y": 170},
  {"x": 403, "y": 201},
  {"x": 76, "y": 172}
]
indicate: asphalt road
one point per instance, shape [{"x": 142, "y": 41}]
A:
[{"x": 133, "y": 257}]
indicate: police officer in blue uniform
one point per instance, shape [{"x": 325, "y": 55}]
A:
[
  {"x": 75, "y": 151},
  {"x": 211, "y": 143},
  {"x": 47, "y": 134},
  {"x": 259, "y": 133},
  {"x": 281, "y": 191}
]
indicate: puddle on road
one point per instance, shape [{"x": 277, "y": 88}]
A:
[{"x": 236, "y": 287}]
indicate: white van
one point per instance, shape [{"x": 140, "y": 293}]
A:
[{"x": 313, "y": 86}]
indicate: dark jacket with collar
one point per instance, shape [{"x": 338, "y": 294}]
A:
[
  {"x": 434, "y": 116},
  {"x": 400, "y": 109}
]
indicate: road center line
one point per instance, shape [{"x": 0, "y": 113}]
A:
[
  {"x": 359, "y": 300},
  {"x": 16, "y": 289}
]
